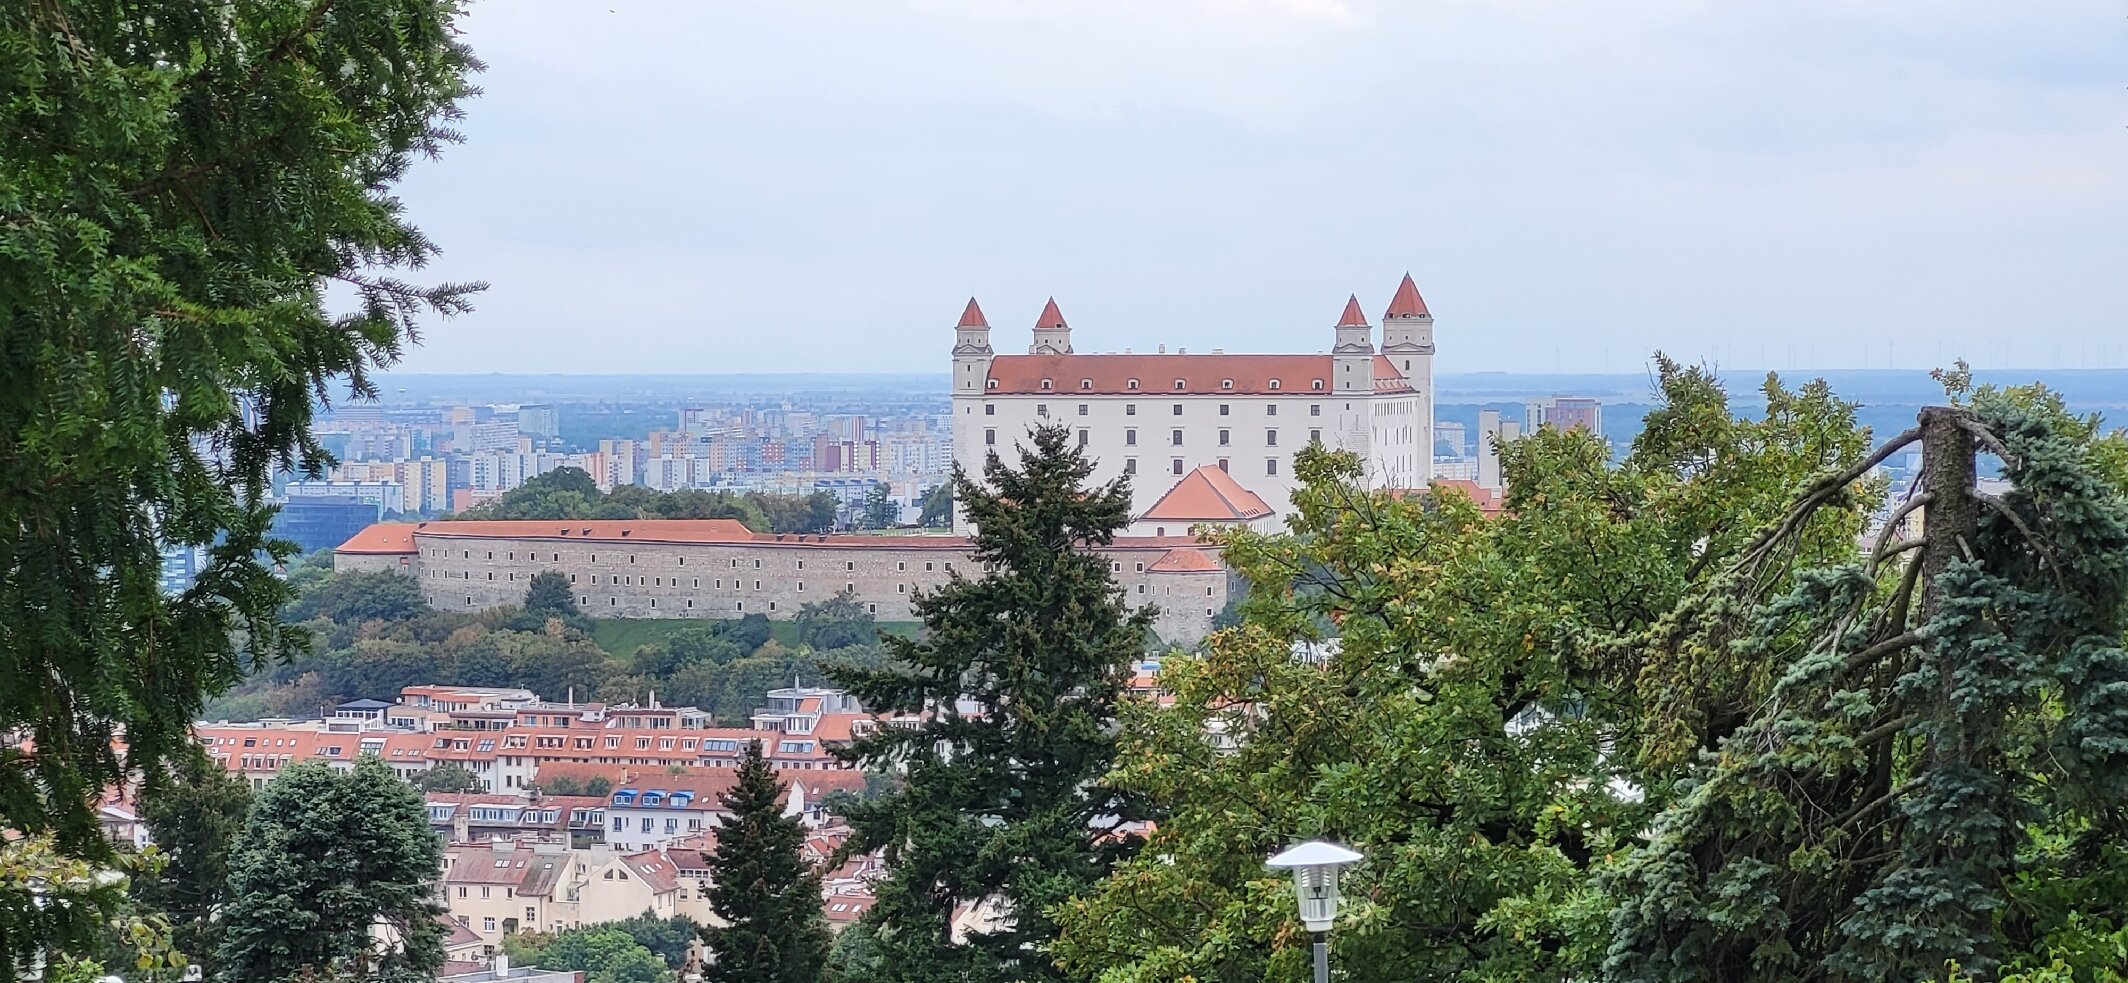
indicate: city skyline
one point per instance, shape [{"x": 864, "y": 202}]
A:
[{"x": 1801, "y": 185}]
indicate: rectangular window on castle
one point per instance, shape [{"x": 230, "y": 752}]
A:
[
  {"x": 1270, "y": 438},
  {"x": 1130, "y": 465},
  {"x": 1083, "y": 436},
  {"x": 1082, "y": 409},
  {"x": 1130, "y": 409},
  {"x": 990, "y": 438},
  {"x": 1178, "y": 409},
  {"x": 1271, "y": 466},
  {"x": 1130, "y": 437},
  {"x": 1270, "y": 409},
  {"x": 1225, "y": 437},
  {"x": 1178, "y": 465},
  {"x": 1315, "y": 409},
  {"x": 1223, "y": 409},
  {"x": 1176, "y": 438},
  {"x": 989, "y": 409}
]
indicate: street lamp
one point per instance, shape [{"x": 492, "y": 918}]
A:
[{"x": 1314, "y": 867}]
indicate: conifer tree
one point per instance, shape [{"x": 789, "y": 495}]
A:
[
  {"x": 1021, "y": 671},
  {"x": 194, "y": 813},
  {"x": 761, "y": 886},
  {"x": 325, "y": 858},
  {"x": 1938, "y": 775},
  {"x": 182, "y": 181}
]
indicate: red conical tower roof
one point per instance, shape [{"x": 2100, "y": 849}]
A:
[
  {"x": 972, "y": 317},
  {"x": 1051, "y": 317},
  {"x": 1353, "y": 316},
  {"x": 1407, "y": 302}
]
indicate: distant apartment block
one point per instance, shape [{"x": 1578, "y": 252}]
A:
[{"x": 1564, "y": 413}]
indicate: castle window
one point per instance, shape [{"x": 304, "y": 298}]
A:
[
  {"x": 1133, "y": 384},
  {"x": 1130, "y": 465},
  {"x": 1086, "y": 383},
  {"x": 989, "y": 409},
  {"x": 1315, "y": 409},
  {"x": 1083, "y": 436},
  {"x": 1271, "y": 409},
  {"x": 1041, "y": 410},
  {"x": 1319, "y": 382},
  {"x": 1222, "y": 464},
  {"x": 1130, "y": 409},
  {"x": 1046, "y": 385},
  {"x": 1130, "y": 437},
  {"x": 1271, "y": 466},
  {"x": 1180, "y": 385},
  {"x": 1223, "y": 408},
  {"x": 1274, "y": 383},
  {"x": 1270, "y": 438},
  {"x": 1315, "y": 436},
  {"x": 1225, "y": 437},
  {"x": 1226, "y": 383},
  {"x": 1082, "y": 409},
  {"x": 1178, "y": 409},
  {"x": 993, "y": 384},
  {"x": 990, "y": 438},
  {"x": 849, "y": 564},
  {"x": 1176, "y": 438},
  {"x": 1178, "y": 465}
]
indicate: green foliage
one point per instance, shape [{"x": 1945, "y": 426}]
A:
[
  {"x": 325, "y": 856},
  {"x": 762, "y": 887},
  {"x": 549, "y": 598},
  {"x": 1006, "y": 802},
  {"x": 569, "y": 493},
  {"x": 938, "y": 508},
  {"x": 450, "y": 776},
  {"x": 604, "y": 953},
  {"x": 181, "y": 183},
  {"x": 669, "y": 938},
  {"x": 1938, "y": 775},
  {"x": 568, "y": 785},
  {"x": 194, "y": 810},
  {"x": 855, "y": 957},
  {"x": 54, "y": 903},
  {"x": 839, "y": 622},
  {"x": 878, "y": 510},
  {"x": 1476, "y": 691},
  {"x": 355, "y": 597}
]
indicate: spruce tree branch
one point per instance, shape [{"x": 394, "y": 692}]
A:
[
  {"x": 1904, "y": 640},
  {"x": 1865, "y": 809}
]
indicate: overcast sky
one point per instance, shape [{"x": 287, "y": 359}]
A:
[{"x": 819, "y": 185}]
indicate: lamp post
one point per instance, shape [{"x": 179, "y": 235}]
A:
[{"x": 1314, "y": 867}]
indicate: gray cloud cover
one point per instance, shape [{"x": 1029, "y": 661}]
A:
[{"x": 745, "y": 185}]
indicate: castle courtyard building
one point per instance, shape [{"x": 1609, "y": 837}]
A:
[{"x": 1157, "y": 418}]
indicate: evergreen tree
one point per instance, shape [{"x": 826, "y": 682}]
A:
[
  {"x": 182, "y": 180},
  {"x": 1021, "y": 671},
  {"x": 324, "y": 857},
  {"x": 1938, "y": 773},
  {"x": 194, "y": 812},
  {"x": 769, "y": 898},
  {"x": 839, "y": 622},
  {"x": 879, "y": 511}
]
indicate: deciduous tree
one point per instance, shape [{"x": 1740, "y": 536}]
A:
[{"x": 325, "y": 859}]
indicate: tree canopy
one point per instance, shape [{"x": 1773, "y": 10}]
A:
[
  {"x": 1021, "y": 670},
  {"x": 183, "y": 181},
  {"x": 569, "y": 493},
  {"x": 324, "y": 858},
  {"x": 762, "y": 888}
]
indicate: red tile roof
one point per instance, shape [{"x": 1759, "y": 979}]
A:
[
  {"x": 387, "y": 537},
  {"x": 1208, "y": 494},
  {"x": 1201, "y": 375},
  {"x": 382, "y": 537},
  {"x": 1051, "y": 317},
  {"x": 972, "y": 317},
  {"x": 1407, "y": 302},
  {"x": 1353, "y": 316},
  {"x": 1489, "y": 500},
  {"x": 1185, "y": 560}
]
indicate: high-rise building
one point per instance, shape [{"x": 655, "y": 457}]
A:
[
  {"x": 538, "y": 420},
  {"x": 1564, "y": 413}
]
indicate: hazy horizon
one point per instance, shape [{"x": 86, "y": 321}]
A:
[{"x": 754, "y": 187}]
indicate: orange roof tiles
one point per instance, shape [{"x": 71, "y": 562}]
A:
[
  {"x": 1155, "y": 375},
  {"x": 1407, "y": 302},
  {"x": 1353, "y": 316},
  {"x": 1490, "y": 502},
  {"x": 972, "y": 317},
  {"x": 1208, "y": 494},
  {"x": 1185, "y": 560},
  {"x": 382, "y": 537},
  {"x": 1051, "y": 316}
]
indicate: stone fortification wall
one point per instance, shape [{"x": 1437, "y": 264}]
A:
[{"x": 770, "y": 576}]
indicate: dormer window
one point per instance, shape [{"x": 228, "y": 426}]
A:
[
  {"x": 1226, "y": 383},
  {"x": 1086, "y": 383},
  {"x": 1318, "y": 383},
  {"x": 1274, "y": 383},
  {"x": 1133, "y": 384},
  {"x": 1179, "y": 385},
  {"x": 1046, "y": 385},
  {"x": 993, "y": 384}
]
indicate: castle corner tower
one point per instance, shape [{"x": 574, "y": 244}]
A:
[{"x": 1051, "y": 335}]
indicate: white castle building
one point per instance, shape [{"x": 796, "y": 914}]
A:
[{"x": 1170, "y": 420}]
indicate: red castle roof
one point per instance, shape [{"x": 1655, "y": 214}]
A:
[
  {"x": 1407, "y": 302},
  {"x": 973, "y": 316},
  {"x": 1051, "y": 317},
  {"x": 1353, "y": 316}
]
